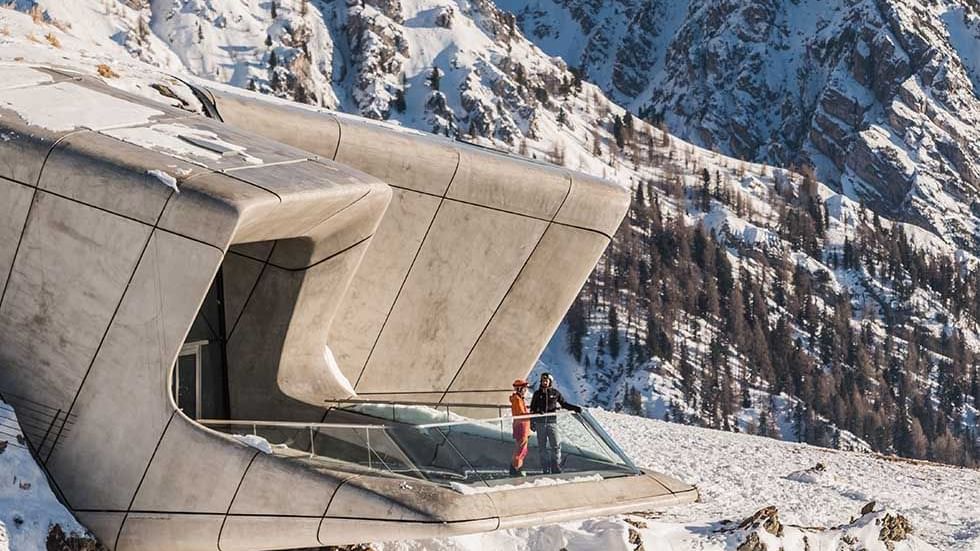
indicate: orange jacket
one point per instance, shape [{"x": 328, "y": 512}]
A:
[{"x": 519, "y": 407}]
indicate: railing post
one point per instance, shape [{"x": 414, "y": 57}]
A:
[
  {"x": 601, "y": 435},
  {"x": 312, "y": 448},
  {"x": 367, "y": 433}
]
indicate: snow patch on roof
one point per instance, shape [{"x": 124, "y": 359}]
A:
[
  {"x": 19, "y": 76},
  {"x": 165, "y": 178},
  {"x": 190, "y": 144},
  {"x": 66, "y": 106}
]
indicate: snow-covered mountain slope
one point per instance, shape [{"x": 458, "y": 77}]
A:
[
  {"x": 31, "y": 517},
  {"x": 879, "y": 95}
]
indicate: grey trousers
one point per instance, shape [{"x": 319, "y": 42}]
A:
[{"x": 549, "y": 446}]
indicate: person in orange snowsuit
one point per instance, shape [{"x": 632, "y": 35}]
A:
[{"x": 522, "y": 427}]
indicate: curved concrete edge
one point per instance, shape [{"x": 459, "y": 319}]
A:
[
  {"x": 632, "y": 506},
  {"x": 595, "y": 204},
  {"x": 342, "y": 531}
]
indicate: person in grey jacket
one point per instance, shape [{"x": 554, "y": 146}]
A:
[{"x": 547, "y": 399}]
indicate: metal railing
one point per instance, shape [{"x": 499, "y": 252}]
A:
[{"x": 433, "y": 442}]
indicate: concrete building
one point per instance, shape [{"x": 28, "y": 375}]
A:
[{"x": 283, "y": 327}]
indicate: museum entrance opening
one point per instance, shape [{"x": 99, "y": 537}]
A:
[{"x": 199, "y": 382}]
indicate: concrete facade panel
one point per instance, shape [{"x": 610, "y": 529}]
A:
[
  {"x": 15, "y": 202},
  {"x": 394, "y": 499},
  {"x": 322, "y": 189},
  {"x": 378, "y": 280},
  {"x": 105, "y": 526},
  {"x": 132, "y": 367},
  {"x": 24, "y": 147},
  {"x": 209, "y": 208},
  {"x": 457, "y": 282},
  {"x": 255, "y": 346},
  {"x": 529, "y": 315},
  {"x": 169, "y": 532},
  {"x": 100, "y": 171},
  {"x": 70, "y": 272},
  {"x": 208, "y": 466},
  {"x": 401, "y": 158},
  {"x": 594, "y": 204},
  {"x": 248, "y": 533},
  {"x": 240, "y": 274},
  {"x": 279, "y": 340},
  {"x": 261, "y": 491},
  {"x": 305, "y": 373},
  {"x": 340, "y": 531},
  {"x": 672, "y": 484},
  {"x": 337, "y": 231},
  {"x": 284, "y": 122},
  {"x": 493, "y": 179},
  {"x": 259, "y": 250}
]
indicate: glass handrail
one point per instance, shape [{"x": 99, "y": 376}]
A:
[{"x": 437, "y": 444}]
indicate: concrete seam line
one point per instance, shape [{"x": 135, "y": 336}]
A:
[
  {"x": 329, "y": 503},
  {"x": 130, "y": 218},
  {"x": 498, "y": 209},
  {"x": 30, "y": 209},
  {"x": 408, "y": 273},
  {"x": 255, "y": 285},
  {"x": 356, "y": 200},
  {"x": 112, "y": 319},
  {"x": 253, "y": 184},
  {"x": 233, "y": 497},
  {"x": 496, "y": 309},
  {"x": 331, "y": 256},
  {"x": 513, "y": 283},
  {"x": 195, "y": 513},
  {"x": 411, "y": 522},
  {"x": 146, "y": 470},
  {"x": 17, "y": 182},
  {"x": 340, "y": 137}
]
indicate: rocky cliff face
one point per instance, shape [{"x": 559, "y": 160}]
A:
[{"x": 880, "y": 96}]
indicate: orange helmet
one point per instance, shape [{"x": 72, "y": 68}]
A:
[{"x": 520, "y": 383}]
